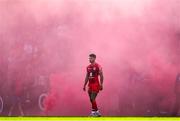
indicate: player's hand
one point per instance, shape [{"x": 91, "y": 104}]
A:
[
  {"x": 101, "y": 87},
  {"x": 84, "y": 88}
]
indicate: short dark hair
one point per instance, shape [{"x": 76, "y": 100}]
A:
[{"x": 92, "y": 55}]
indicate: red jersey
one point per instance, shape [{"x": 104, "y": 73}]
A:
[{"x": 93, "y": 71}]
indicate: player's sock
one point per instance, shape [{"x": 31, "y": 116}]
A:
[{"x": 94, "y": 105}]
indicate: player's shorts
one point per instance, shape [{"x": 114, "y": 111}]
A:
[{"x": 94, "y": 88}]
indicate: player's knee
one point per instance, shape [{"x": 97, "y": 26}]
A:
[{"x": 92, "y": 100}]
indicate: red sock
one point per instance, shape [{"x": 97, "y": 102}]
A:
[{"x": 94, "y": 105}]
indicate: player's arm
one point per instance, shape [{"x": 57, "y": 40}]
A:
[
  {"x": 101, "y": 78},
  {"x": 85, "y": 82}
]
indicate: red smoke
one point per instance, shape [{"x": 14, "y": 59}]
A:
[{"x": 136, "y": 42}]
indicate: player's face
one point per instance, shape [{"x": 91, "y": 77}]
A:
[{"x": 91, "y": 59}]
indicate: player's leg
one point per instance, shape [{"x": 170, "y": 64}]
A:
[
  {"x": 92, "y": 97},
  {"x": 95, "y": 111},
  {"x": 94, "y": 104},
  {"x": 93, "y": 101}
]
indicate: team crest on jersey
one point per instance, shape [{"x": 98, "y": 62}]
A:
[
  {"x": 94, "y": 68},
  {"x": 89, "y": 68}
]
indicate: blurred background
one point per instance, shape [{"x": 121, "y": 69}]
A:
[{"x": 44, "y": 48}]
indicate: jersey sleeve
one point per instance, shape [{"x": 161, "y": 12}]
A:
[{"x": 100, "y": 69}]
